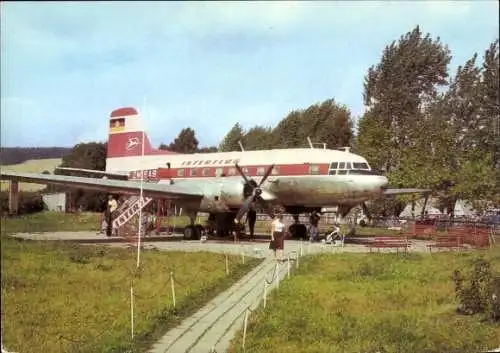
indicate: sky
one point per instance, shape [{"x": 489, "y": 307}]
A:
[{"x": 207, "y": 65}]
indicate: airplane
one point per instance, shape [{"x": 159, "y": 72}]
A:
[{"x": 226, "y": 184}]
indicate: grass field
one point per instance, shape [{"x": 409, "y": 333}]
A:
[
  {"x": 60, "y": 297},
  {"x": 370, "y": 303},
  {"x": 31, "y": 166}
]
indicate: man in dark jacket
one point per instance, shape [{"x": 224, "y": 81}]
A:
[
  {"x": 313, "y": 225},
  {"x": 251, "y": 218}
]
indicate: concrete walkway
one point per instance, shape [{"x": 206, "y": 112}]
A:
[{"x": 216, "y": 324}]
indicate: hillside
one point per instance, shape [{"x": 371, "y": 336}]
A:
[
  {"x": 31, "y": 166},
  {"x": 16, "y": 155}
]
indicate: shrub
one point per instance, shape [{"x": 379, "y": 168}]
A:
[
  {"x": 479, "y": 290},
  {"x": 29, "y": 202}
]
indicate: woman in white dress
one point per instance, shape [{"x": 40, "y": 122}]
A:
[{"x": 277, "y": 236}]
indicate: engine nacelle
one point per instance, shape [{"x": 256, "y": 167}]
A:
[{"x": 222, "y": 195}]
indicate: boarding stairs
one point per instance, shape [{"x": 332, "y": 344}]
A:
[{"x": 129, "y": 209}]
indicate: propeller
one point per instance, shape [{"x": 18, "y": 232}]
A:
[{"x": 252, "y": 191}]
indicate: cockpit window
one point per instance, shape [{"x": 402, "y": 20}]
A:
[
  {"x": 334, "y": 165},
  {"x": 360, "y": 165},
  {"x": 341, "y": 165},
  {"x": 348, "y": 165},
  {"x": 363, "y": 172}
]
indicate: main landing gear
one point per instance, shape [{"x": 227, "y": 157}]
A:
[
  {"x": 298, "y": 230},
  {"x": 192, "y": 231},
  {"x": 220, "y": 224}
]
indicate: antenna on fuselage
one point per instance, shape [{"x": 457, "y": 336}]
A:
[
  {"x": 241, "y": 146},
  {"x": 345, "y": 149},
  {"x": 311, "y": 144}
]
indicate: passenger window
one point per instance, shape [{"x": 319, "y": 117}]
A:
[
  {"x": 180, "y": 172},
  {"x": 232, "y": 171},
  {"x": 276, "y": 170},
  {"x": 342, "y": 165},
  {"x": 348, "y": 165},
  {"x": 219, "y": 171},
  {"x": 314, "y": 169},
  {"x": 245, "y": 170},
  {"x": 334, "y": 165},
  {"x": 342, "y": 172},
  {"x": 261, "y": 171},
  {"x": 192, "y": 172},
  {"x": 205, "y": 171}
]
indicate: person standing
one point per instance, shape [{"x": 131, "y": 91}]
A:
[
  {"x": 277, "y": 237},
  {"x": 251, "y": 218},
  {"x": 110, "y": 209},
  {"x": 313, "y": 225}
]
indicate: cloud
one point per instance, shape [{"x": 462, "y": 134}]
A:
[{"x": 207, "y": 65}]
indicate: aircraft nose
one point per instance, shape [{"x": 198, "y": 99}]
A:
[{"x": 382, "y": 182}]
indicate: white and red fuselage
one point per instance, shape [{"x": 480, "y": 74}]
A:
[{"x": 307, "y": 177}]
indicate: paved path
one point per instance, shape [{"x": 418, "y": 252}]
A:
[{"x": 214, "y": 325}]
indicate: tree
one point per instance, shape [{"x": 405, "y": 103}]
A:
[
  {"x": 230, "y": 141},
  {"x": 488, "y": 132},
  {"x": 185, "y": 142},
  {"x": 258, "y": 138},
  {"x": 333, "y": 124},
  {"x": 371, "y": 139},
  {"x": 489, "y": 129},
  {"x": 397, "y": 91},
  {"x": 470, "y": 148},
  {"x": 286, "y": 133},
  {"x": 85, "y": 156},
  {"x": 327, "y": 122},
  {"x": 210, "y": 149}
]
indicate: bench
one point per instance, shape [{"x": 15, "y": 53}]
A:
[
  {"x": 421, "y": 231},
  {"x": 476, "y": 237},
  {"x": 449, "y": 241},
  {"x": 482, "y": 237},
  {"x": 389, "y": 242}
]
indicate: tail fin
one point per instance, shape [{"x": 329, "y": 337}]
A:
[{"x": 126, "y": 134}]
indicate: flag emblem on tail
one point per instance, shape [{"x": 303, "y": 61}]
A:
[{"x": 117, "y": 125}]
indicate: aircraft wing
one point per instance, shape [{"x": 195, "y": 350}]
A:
[
  {"x": 96, "y": 172},
  {"x": 108, "y": 185},
  {"x": 405, "y": 191}
]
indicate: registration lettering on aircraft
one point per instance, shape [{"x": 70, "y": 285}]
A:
[{"x": 147, "y": 174}]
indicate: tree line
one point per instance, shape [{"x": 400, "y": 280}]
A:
[
  {"x": 328, "y": 122},
  {"x": 16, "y": 155},
  {"x": 423, "y": 126}
]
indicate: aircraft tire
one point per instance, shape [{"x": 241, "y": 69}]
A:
[
  {"x": 200, "y": 230},
  {"x": 191, "y": 233}
]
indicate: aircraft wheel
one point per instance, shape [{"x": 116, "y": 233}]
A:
[
  {"x": 200, "y": 229},
  {"x": 191, "y": 233}
]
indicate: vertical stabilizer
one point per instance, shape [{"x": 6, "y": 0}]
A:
[{"x": 126, "y": 133}]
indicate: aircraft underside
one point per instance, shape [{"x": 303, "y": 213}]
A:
[{"x": 222, "y": 224}]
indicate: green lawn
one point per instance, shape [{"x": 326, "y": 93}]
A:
[
  {"x": 370, "y": 303},
  {"x": 59, "y": 297}
]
